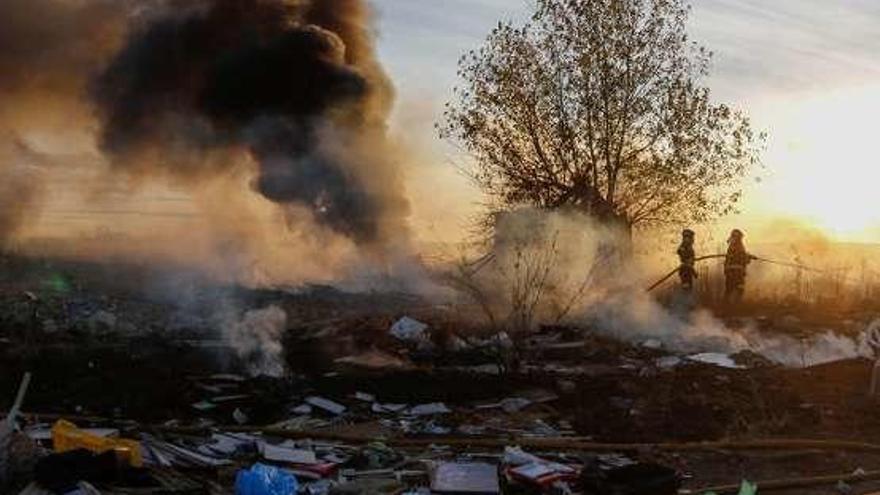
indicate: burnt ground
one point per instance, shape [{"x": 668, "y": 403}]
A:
[{"x": 151, "y": 365}]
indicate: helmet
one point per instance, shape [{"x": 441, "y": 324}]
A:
[
  {"x": 687, "y": 233},
  {"x": 736, "y": 234}
]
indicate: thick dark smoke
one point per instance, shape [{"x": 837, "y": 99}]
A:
[{"x": 296, "y": 84}]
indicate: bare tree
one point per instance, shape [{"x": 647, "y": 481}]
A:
[{"x": 599, "y": 105}]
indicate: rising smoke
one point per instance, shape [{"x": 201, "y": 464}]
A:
[
  {"x": 21, "y": 185},
  {"x": 296, "y": 85},
  {"x": 51, "y": 46},
  {"x": 256, "y": 338},
  {"x": 191, "y": 92},
  {"x": 208, "y": 97},
  {"x": 552, "y": 267},
  {"x": 49, "y": 49},
  {"x": 183, "y": 89}
]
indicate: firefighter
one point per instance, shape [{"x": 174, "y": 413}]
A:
[
  {"x": 687, "y": 257},
  {"x": 735, "y": 263}
]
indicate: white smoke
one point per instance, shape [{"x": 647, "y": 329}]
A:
[
  {"x": 634, "y": 316},
  {"x": 257, "y": 339},
  {"x": 823, "y": 348},
  {"x": 614, "y": 302}
]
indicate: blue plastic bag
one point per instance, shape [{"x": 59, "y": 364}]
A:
[{"x": 261, "y": 479}]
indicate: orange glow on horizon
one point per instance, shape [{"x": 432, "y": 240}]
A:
[{"x": 821, "y": 164}]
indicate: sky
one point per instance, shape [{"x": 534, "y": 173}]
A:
[{"x": 807, "y": 72}]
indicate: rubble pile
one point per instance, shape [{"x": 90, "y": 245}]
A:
[{"x": 383, "y": 393}]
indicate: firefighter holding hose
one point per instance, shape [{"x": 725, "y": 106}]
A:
[
  {"x": 736, "y": 262},
  {"x": 687, "y": 259}
]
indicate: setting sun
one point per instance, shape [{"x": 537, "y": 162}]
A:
[{"x": 821, "y": 159}]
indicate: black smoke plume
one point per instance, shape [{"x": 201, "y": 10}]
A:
[{"x": 297, "y": 84}]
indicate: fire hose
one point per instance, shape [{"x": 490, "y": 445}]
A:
[
  {"x": 673, "y": 272},
  {"x": 797, "y": 266},
  {"x": 480, "y": 263}
]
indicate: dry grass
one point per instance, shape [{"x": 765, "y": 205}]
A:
[{"x": 839, "y": 287}]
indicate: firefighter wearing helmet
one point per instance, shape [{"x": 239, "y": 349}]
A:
[
  {"x": 735, "y": 264},
  {"x": 687, "y": 258}
]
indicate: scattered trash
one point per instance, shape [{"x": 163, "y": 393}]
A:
[
  {"x": 261, "y": 479},
  {"x": 431, "y": 428},
  {"x": 509, "y": 405},
  {"x": 7, "y": 427},
  {"x": 457, "y": 344},
  {"x": 376, "y": 361},
  {"x": 412, "y": 331},
  {"x": 540, "y": 428},
  {"x": 444, "y": 421},
  {"x": 302, "y": 409},
  {"x": 229, "y": 444},
  {"x": 167, "y": 454},
  {"x": 66, "y": 436},
  {"x": 668, "y": 362},
  {"x": 368, "y": 486},
  {"x": 375, "y": 456},
  {"x": 82, "y": 488},
  {"x": 326, "y": 405},
  {"x": 43, "y": 433},
  {"x": 204, "y": 405},
  {"x": 388, "y": 408},
  {"x": 454, "y": 478},
  {"x": 239, "y": 416},
  {"x": 533, "y": 470},
  {"x": 19, "y": 398},
  {"x": 429, "y": 409},
  {"x": 715, "y": 358},
  {"x": 278, "y": 453}
]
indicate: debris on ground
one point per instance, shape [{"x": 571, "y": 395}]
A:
[
  {"x": 67, "y": 437},
  {"x": 453, "y": 478},
  {"x": 412, "y": 332},
  {"x": 261, "y": 479},
  {"x": 134, "y": 395},
  {"x": 715, "y": 358}
]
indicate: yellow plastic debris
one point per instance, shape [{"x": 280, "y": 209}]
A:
[{"x": 67, "y": 436}]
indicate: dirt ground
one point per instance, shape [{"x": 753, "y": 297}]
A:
[{"x": 602, "y": 390}]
